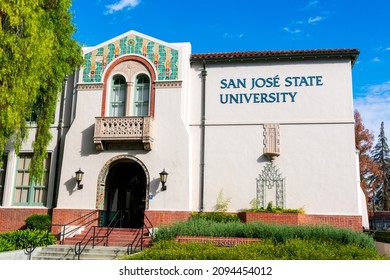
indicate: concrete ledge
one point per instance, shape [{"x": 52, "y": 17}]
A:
[
  {"x": 383, "y": 248},
  {"x": 220, "y": 241},
  {"x": 18, "y": 254}
]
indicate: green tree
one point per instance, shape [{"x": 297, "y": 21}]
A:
[
  {"x": 37, "y": 52},
  {"x": 364, "y": 141},
  {"x": 381, "y": 156}
]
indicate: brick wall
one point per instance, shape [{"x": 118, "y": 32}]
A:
[
  {"x": 277, "y": 218},
  {"x": 164, "y": 218},
  {"x": 66, "y": 216},
  {"x": 340, "y": 221},
  {"x": 13, "y": 218},
  {"x": 220, "y": 241}
]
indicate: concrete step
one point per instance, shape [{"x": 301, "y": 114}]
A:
[
  {"x": 112, "y": 241},
  {"x": 66, "y": 252}
]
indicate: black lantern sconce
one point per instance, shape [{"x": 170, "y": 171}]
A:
[
  {"x": 163, "y": 179},
  {"x": 79, "y": 178}
]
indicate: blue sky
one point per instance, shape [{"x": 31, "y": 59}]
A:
[{"x": 256, "y": 25}]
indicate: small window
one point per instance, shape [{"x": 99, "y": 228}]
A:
[
  {"x": 26, "y": 191},
  {"x": 35, "y": 112},
  {"x": 141, "y": 96},
  {"x": 118, "y": 97}
]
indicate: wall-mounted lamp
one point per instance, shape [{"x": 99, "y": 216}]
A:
[
  {"x": 163, "y": 179},
  {"x": 79, "y": 178}
]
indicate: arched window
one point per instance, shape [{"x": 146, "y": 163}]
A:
[
  {"x": 118, "y": 97},
  {"x": 141, "y": 95}
]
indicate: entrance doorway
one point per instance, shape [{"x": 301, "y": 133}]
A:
[{"x": 125, "y": 192}]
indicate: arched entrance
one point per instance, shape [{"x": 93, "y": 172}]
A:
[{"x": 125, "y": 188}]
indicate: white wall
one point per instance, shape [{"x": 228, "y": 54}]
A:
[
  {"x": 170, "y": 149},
  {"x": 316, "y": 138},
  {"x": 316, "y": 135}
]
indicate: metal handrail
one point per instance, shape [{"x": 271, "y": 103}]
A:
[
  {"x": 112, "y": 225},
  {"x": 63, "y": 232},
  {"x": 136, "y": 241},
  {"x": 77, "y": 248}
]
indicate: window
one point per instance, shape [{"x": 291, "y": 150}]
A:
[
  {"x": 118, "y": 97},
  {"x": 3, "y": 165},
  {"x": 26, "y": 191},
  {"x": 36, "y": 111},
  {"x": 129, "y": 100},
  {"x": 141, "y": 96}
]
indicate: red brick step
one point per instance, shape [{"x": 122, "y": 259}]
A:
[{"x": 117, "y": 237}]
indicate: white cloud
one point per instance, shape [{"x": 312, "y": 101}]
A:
[
  {"x": 228, "y": 35},
  {"x": 292, "y": 31},
  {"x": 312, "y": 4},
  {"x": 376, "y": 59},
  {"x": 374, "y": 107},
  {"x": 315, "y": 19},
  {"x": 122, "y": 4}
]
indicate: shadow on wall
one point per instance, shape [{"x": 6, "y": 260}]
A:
[
  {"x": 154, "y": 186},
  {"x": 87, "y": 145},
  {"x": 71, "y": 185},
  {"x": 262, "y": 159}
]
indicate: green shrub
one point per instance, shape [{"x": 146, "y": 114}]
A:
[
  {"x": 219, "y": 217},
  {"x": 222, "y": 203},
  {"x": 20, "y": 239},
  {"x": 271, "y": 209},
  {"x": 293, "y": 249},
  {"x": 5, "y": 245},
  {"x": 38, "y": 221},
  {"x": 381, "y": 236},
  {"x": 276, "y": 233}
]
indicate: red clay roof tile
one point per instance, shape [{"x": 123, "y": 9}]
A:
[{"x": 282, "y": 54}]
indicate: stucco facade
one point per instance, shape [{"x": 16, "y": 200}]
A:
[{"x": 273, "y": 126}]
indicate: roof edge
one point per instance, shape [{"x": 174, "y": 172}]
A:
[{"x": 276, "y": 55}]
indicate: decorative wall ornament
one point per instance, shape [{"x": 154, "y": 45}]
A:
[
  {"x": 170, "y": 84},
  {"x": 123, "y": 129},
  {"x": 95, "y": 86},
  {"x": 271, "y": 141},
  {"x": 271, "y": 179}
]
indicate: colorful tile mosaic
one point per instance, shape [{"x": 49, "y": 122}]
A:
[{"x": 165, "y": 59}]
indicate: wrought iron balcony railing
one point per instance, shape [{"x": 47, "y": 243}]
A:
[{"x": 128, "y": 132}]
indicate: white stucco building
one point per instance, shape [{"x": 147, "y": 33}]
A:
[{"x": 276, "y": 126}]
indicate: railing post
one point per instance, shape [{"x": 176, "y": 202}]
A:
[
  {"x": 93, "y": 237},
  {"x": 142, "y": 238},
  {"x": 79, "y": 250},
  {"x": 107, "y": 234},
  {"x": 63, "y": 235},
  {"x": 29, "y": 249}
]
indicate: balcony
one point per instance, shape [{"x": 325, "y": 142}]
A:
[{"x": 131, "y": 133}]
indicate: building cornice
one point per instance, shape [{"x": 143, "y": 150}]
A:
[{"x": 285, "y": 55}]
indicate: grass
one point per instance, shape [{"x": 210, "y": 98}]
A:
[
  {"x": 278, "y": 242},
  {"x": 276, "y": 233},
  {"x": 293, "y": 249}
]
